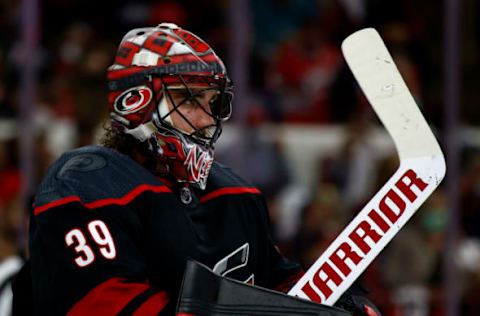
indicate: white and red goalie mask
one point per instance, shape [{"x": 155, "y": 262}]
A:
[{"x": 149, "y": 65}]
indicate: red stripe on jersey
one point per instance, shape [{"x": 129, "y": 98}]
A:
[
  {"x": 127, "y": 198},
  {"x": 109, "y": 298},
  {"x": 69, "y": 199},
  {"x": 153, "y": 305},
  {"x": 228, "y": 191},
  {"x": 168, "y": 183}
]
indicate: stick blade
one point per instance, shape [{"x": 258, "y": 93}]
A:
[
  {"x": 422, "y": 168},
  {"x": 378, "y": 76}
]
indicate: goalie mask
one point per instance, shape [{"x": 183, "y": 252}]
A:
[{"x": 168, "y": 89}]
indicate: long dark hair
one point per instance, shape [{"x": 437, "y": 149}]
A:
[
  {"x": 121, "y": 142},
  {"x": 128, "y": 145}
]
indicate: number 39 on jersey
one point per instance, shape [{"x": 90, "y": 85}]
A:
[{"x": 85, "y": 252}]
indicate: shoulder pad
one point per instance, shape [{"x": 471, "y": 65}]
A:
[
  {"x": 222, "y": 181},
  {"x": 222, "y": 176},
  {"x": 94, "y": 173}
]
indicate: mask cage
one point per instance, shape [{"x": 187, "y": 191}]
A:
[{"x": 220, "y": 107}]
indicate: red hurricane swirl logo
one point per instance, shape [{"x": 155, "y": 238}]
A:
[{"x": 133, "y": 100}]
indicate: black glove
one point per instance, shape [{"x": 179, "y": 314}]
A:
[
  {"x": 358, "y": 305},
  {"x": 354, "y": 301}
]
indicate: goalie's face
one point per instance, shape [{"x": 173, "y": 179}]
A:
[
  {"x": 196, "y": 110},
  {"x": 191, "y": 111},
  {"x": 188, "y": 120}
]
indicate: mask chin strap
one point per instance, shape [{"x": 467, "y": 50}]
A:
[{"x": 143, "y": 131}]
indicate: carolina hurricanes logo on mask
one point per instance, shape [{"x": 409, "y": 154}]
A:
[
  {"x": 132, "y": 100},
  {"x": 198, "y": 164}
]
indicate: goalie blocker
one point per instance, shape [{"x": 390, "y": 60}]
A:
[{"x": 205, "y": 293}]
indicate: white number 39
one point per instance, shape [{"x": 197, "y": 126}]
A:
[{"x": 100, "y": 234}]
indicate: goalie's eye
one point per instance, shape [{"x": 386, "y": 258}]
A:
[
  {"x": 214, "y": 97},
  {"x": 180, "y": 94},
  {"x": 202, "y": 98}
]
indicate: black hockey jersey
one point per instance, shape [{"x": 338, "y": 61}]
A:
[{"x": 107, "y": 237}]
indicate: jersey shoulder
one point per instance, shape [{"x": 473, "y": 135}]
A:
[
  {"x": 222, "y": 176},
  {"x": 223, "y": 181},
  {"x": 94, "y": 173}
]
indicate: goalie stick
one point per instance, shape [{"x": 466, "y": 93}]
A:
[{"x": 422, "y": 168}]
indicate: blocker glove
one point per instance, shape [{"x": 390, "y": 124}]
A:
[{"x": 354, "y": 301}]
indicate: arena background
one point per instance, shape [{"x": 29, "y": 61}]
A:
[{"x": 301, "y": 130}]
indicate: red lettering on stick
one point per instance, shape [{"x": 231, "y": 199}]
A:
[
  {"x": 312, "y": 295},
  {"x": 392, "y": 205},
  {"x": 359, "y": 240},
  {"x": 348, "y": 253},
  {"x": 379, "y": 221},
  {"x": 406, "y": 188},
  {"x": 322, "y": 284},
  {"x": 387, "y": 210}
]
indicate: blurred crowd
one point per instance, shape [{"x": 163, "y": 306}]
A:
[{"x": 296, "y": 77}]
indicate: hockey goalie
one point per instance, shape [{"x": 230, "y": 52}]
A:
[{"x": 114, "y": 227}]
